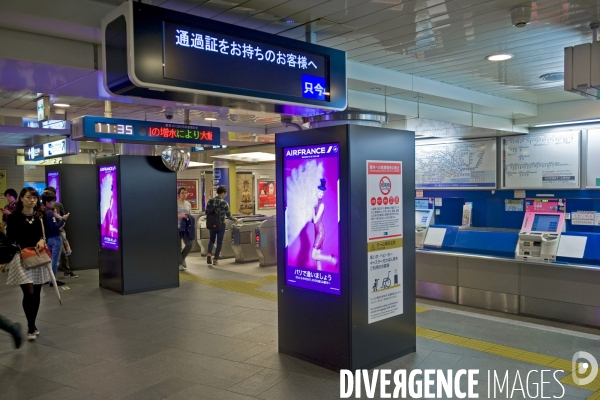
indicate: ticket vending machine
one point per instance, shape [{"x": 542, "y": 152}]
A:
[
  {"x": 423, "y": 218},
  {"x": 540, "y": 234}
]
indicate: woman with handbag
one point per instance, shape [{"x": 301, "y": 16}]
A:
[{"x": 25, "y": 228}]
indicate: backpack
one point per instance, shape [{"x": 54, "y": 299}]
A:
[
  {"x": 7, "y": 249},
  {"x": 213, "y": 215}
]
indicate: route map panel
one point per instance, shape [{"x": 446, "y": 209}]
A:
[
  {"x": 543, "y": 161},
  {"x": 462, "y": 165}
]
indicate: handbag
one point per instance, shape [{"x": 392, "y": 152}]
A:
[{"x": 31, "y": 257}]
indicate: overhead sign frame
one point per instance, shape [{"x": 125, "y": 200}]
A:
[
  {"x": 117, "y": 130},
  {"x": 137, "y": 62}
]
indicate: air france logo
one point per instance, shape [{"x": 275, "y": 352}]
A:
[
  {"x": 311, "y": 151},
  {"x": 385, "y": 185}
]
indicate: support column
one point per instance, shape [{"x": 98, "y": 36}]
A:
[{"x": 221, "y": 176}]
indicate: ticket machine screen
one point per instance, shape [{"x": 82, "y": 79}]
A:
[
  {"x": 421, "y": 218},
  {"x": 545, "y": 223}
]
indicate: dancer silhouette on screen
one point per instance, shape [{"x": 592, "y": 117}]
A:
[{"x": 320, "y": 229}]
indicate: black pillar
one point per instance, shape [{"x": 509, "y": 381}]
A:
[
  {"x": 138, "y": 248},
  {"x": 77, "y": 190},
  {"x": 331, "y": 327}
]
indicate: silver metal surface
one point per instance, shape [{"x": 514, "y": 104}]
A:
[
  {"x": 504, "y": 302},
  {"x": 559, "y": 310},
  {"x": 368, "y": 118},
  {"x": 266, "y": 246},
  {"x": 242, "y": 239},
  {"x": 437, "y": 291},
  {"x": 203, "y": 238},
  {"x": 176, "y": 158},
  {"x": 510, "y": 260}
]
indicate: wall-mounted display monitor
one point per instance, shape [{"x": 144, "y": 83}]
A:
[
  {"x": 422, "y": 218},
  {"x": 53, "y": 179},
  {"x": 39, "y": 186},
  {"x": 109, "y": 212},
  {"x": 312, "y": 220},
  {"x": 545, "y": 222}
]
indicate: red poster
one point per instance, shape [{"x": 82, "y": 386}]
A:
[
  {"x": 191, "y": 186},
  {"x": 266, "y": 194}
]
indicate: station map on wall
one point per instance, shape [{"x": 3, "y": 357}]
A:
[
  {"x": 593, "y": 161},
  {"x": 541, "y": 161},
  {"x": 464, "y": 165}
]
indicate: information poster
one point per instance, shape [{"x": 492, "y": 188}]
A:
[
  {"x": 593, "y": 161},
  {"x": 463, "y": 165},
  {"x": 191, "y": 185},
  {"x": 53, "y": 179},
  {"x": 245, "y": 192},
  {"x": 109, "y": 219},
  {"x": 513, "y": 205},
  {"x": 384, "y": 239},
  {"x": 312, "y": 217},
  {"x": 266, "y": 195},
  {"x": 547, "y": 161}
]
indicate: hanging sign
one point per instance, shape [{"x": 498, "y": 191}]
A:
[
  {"x": 133, "y": 131},
  {"x": 384, "y": 239},
  {"x": 158, "y": 53}
]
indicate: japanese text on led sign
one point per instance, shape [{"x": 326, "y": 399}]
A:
[
  {"x": 200, "y": 55},
  {"x": 200, "y": 41},
  {"x": 173, "y": 133}
]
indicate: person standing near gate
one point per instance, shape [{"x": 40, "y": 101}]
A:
[{"x": 217, "y": 210}]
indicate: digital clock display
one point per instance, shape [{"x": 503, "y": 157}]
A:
[{"x": 119, "y": 129}]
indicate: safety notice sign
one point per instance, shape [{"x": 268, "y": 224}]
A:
[{"x": 384, "y": 239}]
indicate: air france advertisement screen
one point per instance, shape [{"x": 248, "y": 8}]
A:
[
  {"x": 109, "y": 219},
  {"x": 312, "y": 217},
  {"x": 53, "y": 179}
]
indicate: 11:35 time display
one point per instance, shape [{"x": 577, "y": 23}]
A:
[{"x": 120, "y": 129}]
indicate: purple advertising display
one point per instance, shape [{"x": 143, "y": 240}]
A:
[
  {"x": 312, "y": 223},
  {"x": 109, "y": 219},
  {"x": 53, "y": 179}
]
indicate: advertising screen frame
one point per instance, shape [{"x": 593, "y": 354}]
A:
[
  {"x": 308, "y": 275},
  {"x": 113, "y": 207},
  {"x": 55, "y": 184}
]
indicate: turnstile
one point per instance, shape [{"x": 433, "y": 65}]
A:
[
  {"x": 196, "y": 243},
  {"x": 242, "y": 233},
  {"x": 203, "y": 237},
  {"x": 266, "y": 242}
]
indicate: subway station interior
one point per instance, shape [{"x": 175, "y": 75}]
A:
[{"x": 392, "y": 186}]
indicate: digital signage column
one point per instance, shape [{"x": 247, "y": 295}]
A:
[
  {"x": 109, "y": 218},
  {"x": 312, "y": 217},
  {"x": 53, "y": 179}
]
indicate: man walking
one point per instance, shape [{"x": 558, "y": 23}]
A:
[{"x": 218, "y": 204}]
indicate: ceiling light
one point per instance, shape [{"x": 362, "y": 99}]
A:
[
  {"x": 376, "y": 89},
  {"x": 499, "y": 57},
  {"x": 585, "y": 121},
  {"x": 248, "y": 157},
  {"x": 64, "y": 105},
  {"x": 553, "y": 77},
  {"x": 209, "y": 119},
  {"x": 289, "y": 21},
  {"x": 198, "y": 164}
]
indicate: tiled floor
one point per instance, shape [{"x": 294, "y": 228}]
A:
[{"x": 204, "y": 342}]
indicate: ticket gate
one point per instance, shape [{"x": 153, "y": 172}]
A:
[
  {"x": 203, "y": 237},
  {"x": 266, "y": 242},
  {"x": 242, "y": 233},
  {"x": 196, "y": 243}
]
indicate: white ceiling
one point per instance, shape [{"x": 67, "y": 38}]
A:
[{"x": 444, "y": 41}]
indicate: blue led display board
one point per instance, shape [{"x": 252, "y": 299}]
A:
[
  {"x": 158, "y": 53},
  {"x": 134, "y": 131}
]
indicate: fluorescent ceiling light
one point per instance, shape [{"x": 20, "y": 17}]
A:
[
  {"x": 499, "y": 57},
  {"x": 63, "y": 105},
  {"x": 198, "y": 164},
  {"x": 248, "y": 157},
  {"x": 585, "y": 121},
  {"x": 210, "y": 119}
]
